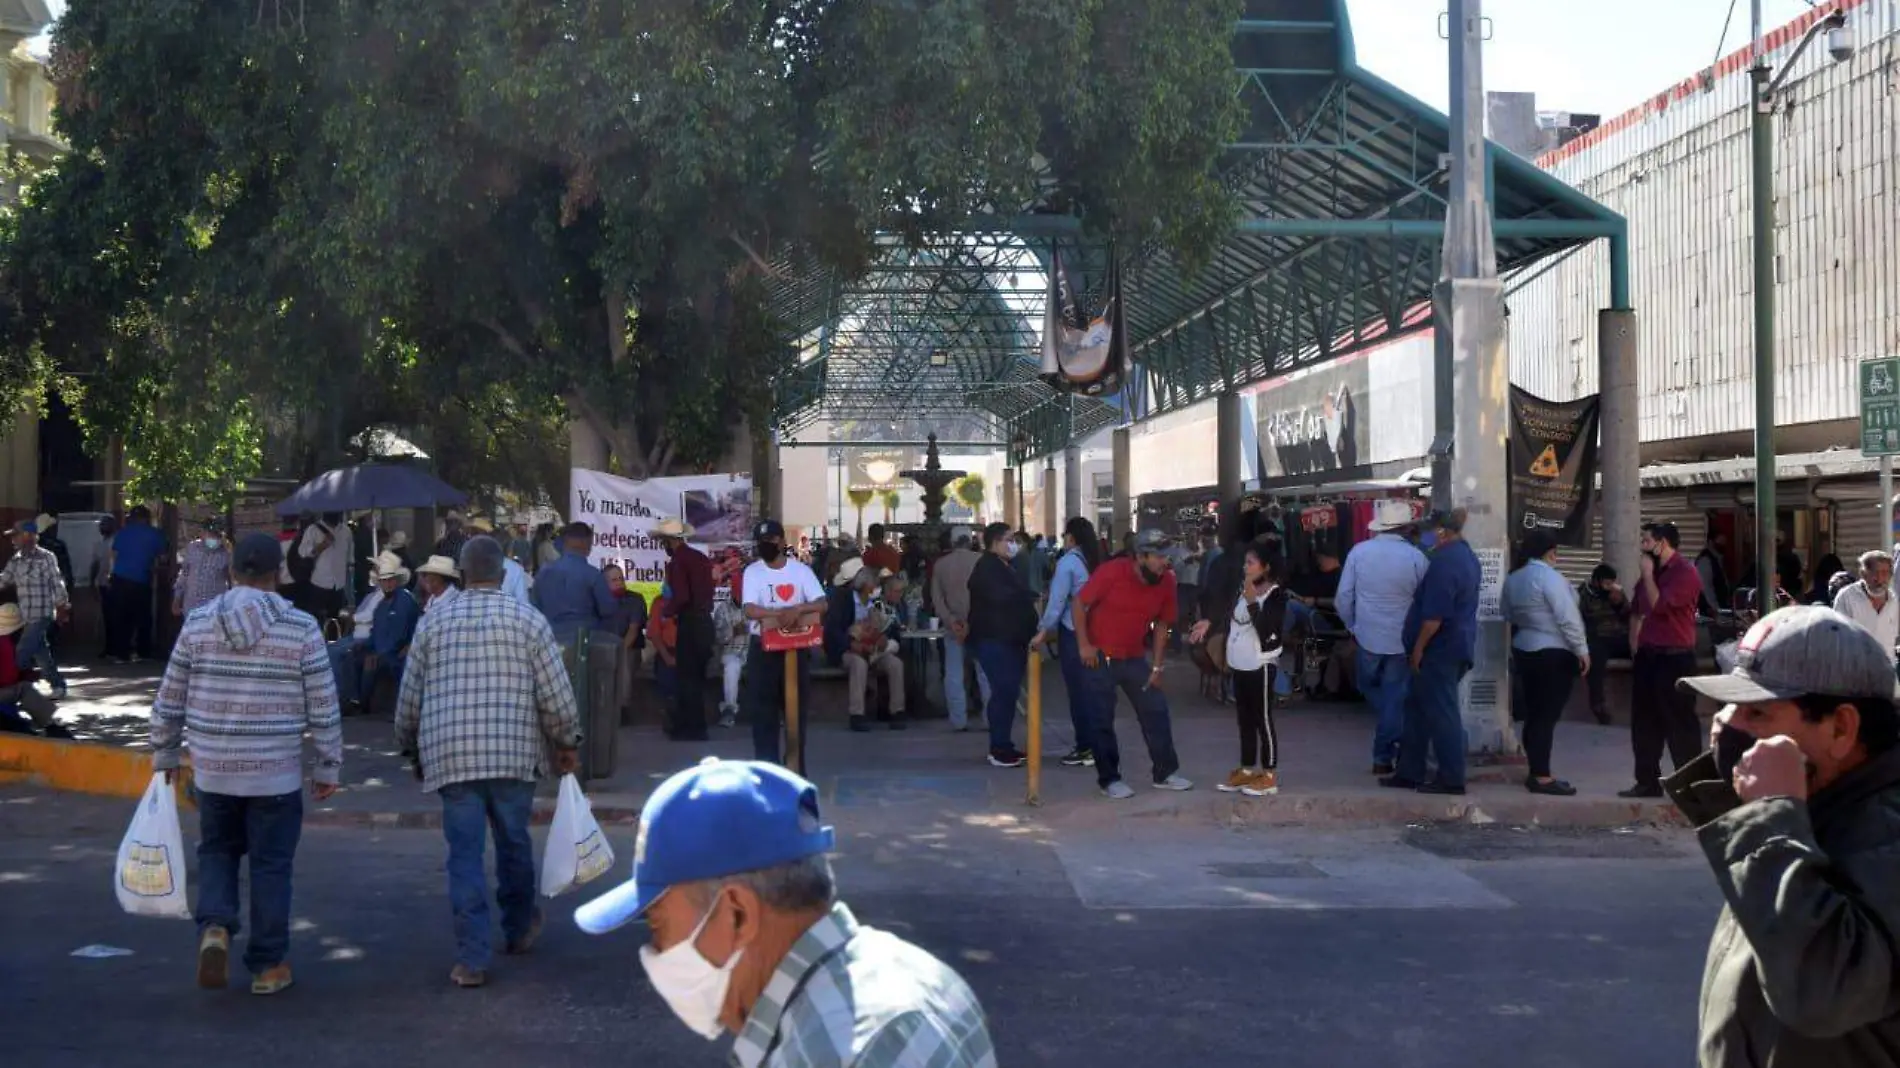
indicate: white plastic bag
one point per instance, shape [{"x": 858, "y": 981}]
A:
[
  {"x": 577, "y": 851},
  {"x": 150, "y": 878}
]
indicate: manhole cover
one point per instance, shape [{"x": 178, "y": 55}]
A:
[{"x": 1293, "y": 869}]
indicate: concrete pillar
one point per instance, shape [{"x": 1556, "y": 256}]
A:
[
  {"x": 1619, "y": 452},
  {"x": 1012, "y": 501},
  {"x": 1227, "y": 439},
  {"x": 1119, "y": 462},
  {"x": 1071, "y": 490},
  {"x": 1050, "y": 500},
  {"x": 764, "y": 468}
]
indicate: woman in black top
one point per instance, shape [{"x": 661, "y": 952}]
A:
[
  {"x": 1002, "y": 624},
  {"x": 1257, "y": 618}
]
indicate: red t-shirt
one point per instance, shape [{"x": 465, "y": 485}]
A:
[
  {"x": 1122, "y": 606},
  {"x": 884, "y": 555},
  {"x": 1669, "y": 623}
]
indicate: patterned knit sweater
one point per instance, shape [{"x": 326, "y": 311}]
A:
[{"x": 248, "y": 676}]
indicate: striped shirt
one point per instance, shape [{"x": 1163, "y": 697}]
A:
[
  {"x": 855, "y": 997},
  {"x": 248, "y": 676},
  {"x": 203, "y": 574},
  {"x": 34, "y": 575},
  {"x": 483, "y": 687}
]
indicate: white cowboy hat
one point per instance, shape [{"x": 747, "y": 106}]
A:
[
  {"x": 442, "y": 566},
  {"x": 44, "y": 522},
  {"x": 398, "y": 540},
  {"x": 672, "y": 528},
  {"x": 848, "y": 571},
  {"x": 11, "y": 620},
  {"x": 1391, "y": 514},
  {"x": 388, "y": 566}
]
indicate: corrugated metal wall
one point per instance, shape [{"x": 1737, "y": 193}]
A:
[
  {"x": 1659, "y": 506},
  {"x": 1680, "y": 174}
]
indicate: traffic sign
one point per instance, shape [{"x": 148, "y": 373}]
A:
[{"x": 1880, "y": 407}]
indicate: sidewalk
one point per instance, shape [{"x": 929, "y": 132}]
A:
[{"x": 931, "y": 773}]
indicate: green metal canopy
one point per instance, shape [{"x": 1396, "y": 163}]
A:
[{"x": 1343, "y": 180}]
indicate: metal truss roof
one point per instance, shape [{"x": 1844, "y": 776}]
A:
[{"x": 1343, "y": 180}]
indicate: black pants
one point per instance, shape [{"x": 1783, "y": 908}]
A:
[
  {"x": 1602, "y": 651},
  {"x": 130, "y": 604},
  {"x": 1547, "y": 676},
  {"x": 693, "y": 653},
  {"x": 1660, "y": 713},
  {"x": 762, "y": 693},
  {"x": 1253, "y": 707},
  {"x": 325, "y": 604}
]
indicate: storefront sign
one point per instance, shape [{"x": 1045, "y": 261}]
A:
[
  {"x": 1315, "y": 422},
  {"x": 1553, "y": 462}
]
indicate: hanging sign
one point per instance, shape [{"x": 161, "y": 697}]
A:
[
  {"x": 1320, "y": 518},
  {"x": 1553, "y": 462}
]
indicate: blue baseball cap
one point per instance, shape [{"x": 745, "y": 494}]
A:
[{"x": 718, "y": 818}]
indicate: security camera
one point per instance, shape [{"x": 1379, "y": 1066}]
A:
[{"x": 1840, "y": 43}]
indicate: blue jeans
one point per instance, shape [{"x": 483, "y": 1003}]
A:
[
  {"x": 469, "y": 811},
  {"x": 956, "y": 699},
  {"x": 266, "y": 829},
  {"x": 1004, "y": 663},
  {"x": 1433, "y": 718},
  {"x": 36, "y": 651},
  {"x": 1151, "y": 709},
  {"x": 1384, "y": 678},
  {"x": 1075, "y": 679}
]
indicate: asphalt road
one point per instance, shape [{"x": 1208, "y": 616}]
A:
[{"x": 1158, "y": 947}]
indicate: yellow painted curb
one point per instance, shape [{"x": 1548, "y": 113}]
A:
[{"x": 80, "y": 767}]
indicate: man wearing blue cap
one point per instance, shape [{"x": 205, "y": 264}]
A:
[{"x": 748, "y": 936}]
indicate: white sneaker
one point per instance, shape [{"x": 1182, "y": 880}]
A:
[
  {"x": 1174, "y": 782},
  {"x": 1118, "y": 791}
]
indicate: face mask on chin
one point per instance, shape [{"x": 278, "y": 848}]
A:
[{"x": 692, "y": 986}]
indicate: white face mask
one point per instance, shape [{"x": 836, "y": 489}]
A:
[
  {"x": 1014, "y": 548},
  {"x": 692, "y": 986},
  {"x": 212, "y": 541}
]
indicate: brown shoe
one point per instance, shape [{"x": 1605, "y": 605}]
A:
[
  {"x": 466, "y": 977},
  {"x": 273, "y": 980},
  {"x": 1236, "y": 781},
  {"x": 1263, "y": 784},
  {"x": 214, "y": 958},
  {"x": 517, "y": 946}
]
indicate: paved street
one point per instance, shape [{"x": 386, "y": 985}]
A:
[{"x": 1137, "y": 945}]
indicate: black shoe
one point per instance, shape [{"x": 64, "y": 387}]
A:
[
  {"x": 860, "y": 724},
  {"x": 1383, "y": 770},
  {"x": 57, "y": 730},
  {"x": 1399, "y": 782},
  {"x": 1007, "y": 758},
  {"x": 1079, "y": 758},
  {"x": 1442, "y": 789},
  {"x": 899, "y": 723},
  {"x": 1641, "y": 791},
  {"x": 1554, "y": 788},
  {"x": 1603, "y": 717}
]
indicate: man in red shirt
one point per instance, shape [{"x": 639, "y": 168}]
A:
[
  {"x": 689, "y": 576},
  {"x": 1661, "y": 712},
  {"x": 879, "y": 553},
  {"x": 1122, "y": 618}
]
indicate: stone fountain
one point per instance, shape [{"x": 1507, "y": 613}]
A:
[{"x": 933, "y": 478}]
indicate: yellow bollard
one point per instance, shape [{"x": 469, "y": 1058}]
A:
[
  {"x": 1034, "y": 733},
  {"x": 794, "y": 756}
]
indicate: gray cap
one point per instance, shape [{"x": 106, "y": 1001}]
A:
[
  {"x": 1152, "y": 541},
  {"x": 1799, "y": 651},
  {"x": 257, "y": 554}
]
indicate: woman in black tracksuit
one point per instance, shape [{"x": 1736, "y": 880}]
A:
[{"x": 1258, "y": 615}]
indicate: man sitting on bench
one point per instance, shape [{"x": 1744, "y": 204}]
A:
[{"x": 871, "y": 646}]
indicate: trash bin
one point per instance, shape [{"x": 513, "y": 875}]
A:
[{"x": 592, "y": 660}]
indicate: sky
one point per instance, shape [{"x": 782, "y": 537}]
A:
[{"x": 1591, "y": 56}]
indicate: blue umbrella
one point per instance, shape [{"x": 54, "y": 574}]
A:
[{"x": 368, "y": 486}]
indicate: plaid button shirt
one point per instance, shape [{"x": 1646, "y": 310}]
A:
[
  {"x": 855, "y": 997},
  {"x": 34, "y": 575},
  {"x": 482, "y": 689},
  {"x": 203, "y": 575}
]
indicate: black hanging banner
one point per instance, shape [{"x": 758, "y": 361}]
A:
[
  {"x": 1553, "y": 461},
  {"x": 1083, "y": 352}
]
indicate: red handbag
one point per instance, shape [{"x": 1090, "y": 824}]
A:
[{"x": 786, "y": 639}]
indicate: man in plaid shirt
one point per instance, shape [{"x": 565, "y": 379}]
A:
[
  {"x": 33, "y": 573},
  {"x": 747, "y": 934},
  {"x": 482, "y": 696}
]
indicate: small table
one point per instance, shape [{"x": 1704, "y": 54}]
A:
[{"x": 924, "y": 685}]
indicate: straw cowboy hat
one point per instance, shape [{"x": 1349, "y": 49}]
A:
[
  {"x": 1390, "y": 515},
  {"x": 442, "y": 566},
  {"x": 388, "y": 566},
  {"x": 848, "y": 571},
  {"x": 671, "y": 527},
  {"x": 481, "y": 526},
  {"x": 11, "y": 621}
]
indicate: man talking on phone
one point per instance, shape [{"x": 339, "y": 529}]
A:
[
  {"x": 1797, "y": 807},
  {"x": 1122, "y": 618}
]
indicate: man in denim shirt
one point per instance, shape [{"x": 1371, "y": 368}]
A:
[
  {"x": 1376, "y": 589},
  {"x": 1442, "y": 633}
]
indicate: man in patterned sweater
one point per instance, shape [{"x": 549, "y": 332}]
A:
[
  {"x": 248, "y": 676},
  {"x": 483, "y": 695}
]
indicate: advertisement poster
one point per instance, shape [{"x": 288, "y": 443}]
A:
[
  {"x": 876, "y": 469},
  {"x": 624, "y": 511},
  {"x": 1314, "y": 422},
  {"x": 1553, "y": 462}
]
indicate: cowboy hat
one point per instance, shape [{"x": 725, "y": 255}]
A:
[
  {"x": 388, "y": 566},
  {"x": 1391, "y": 514},
  {"x": 11, "y": 620},
  {"x": 441, "y": 566},
  {"x": 481, "y": 526},
  {"x": 672, "y": 528},
  {"x": 848, "y": 571},
  {"x": 45, "y": 522}
]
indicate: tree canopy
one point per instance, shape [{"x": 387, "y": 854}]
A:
[{"x": 478, "y": 219}]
